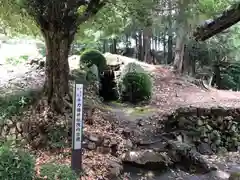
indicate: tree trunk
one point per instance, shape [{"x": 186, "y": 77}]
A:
[
  {"x": 104, "y": 45},
  {"x": 140, "y": 43},
  {"x": 114, "y": 46},
  {"x": 217, "y": 73},
  {"x": 56, "y": 86},
  {"x": 147, "y": 32},
  {"x": 179, "y": 51},
  {"x": 164, "y": 48},
  {"x": 136, "y": 46},
  {"x": 170, "y": 34}
]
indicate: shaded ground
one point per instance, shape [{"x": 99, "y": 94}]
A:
[{"x": 170, "y": 92}]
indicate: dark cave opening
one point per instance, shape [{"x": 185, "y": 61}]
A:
[{"x": 108, "y": 86}]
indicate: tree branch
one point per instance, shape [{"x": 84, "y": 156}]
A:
[{"x": 93, "y": 7}]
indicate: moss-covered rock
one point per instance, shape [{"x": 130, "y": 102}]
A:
[
  {"x": 91, "y": 56},
  {"x": 131, "y": 67}
]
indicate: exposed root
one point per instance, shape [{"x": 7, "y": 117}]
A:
[{"x": 67, "y": 104}]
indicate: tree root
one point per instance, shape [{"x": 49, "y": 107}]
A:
[{"x": 67, "y": 104}]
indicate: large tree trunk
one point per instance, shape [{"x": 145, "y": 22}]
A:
[{"x": 56, "y": 86}]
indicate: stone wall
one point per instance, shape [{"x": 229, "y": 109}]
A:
[{"x": 211, "y": 130}]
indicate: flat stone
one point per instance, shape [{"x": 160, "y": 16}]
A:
[
  {"x": 147, "y": 158},
  {"x": 91, "y": 146},
  {"x": 204, "y": 148},
  {"x": 94, "y": 138}
]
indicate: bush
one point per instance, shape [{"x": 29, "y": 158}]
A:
[
  {"x": 16, "y": 164},
  {"x": 55, "y": 171},
  {"x": 135, "y": 87},
  {"x": 13, "y": 104},
  {"x": 131, "y": 67},
  {"x": 90, "y": 57}
]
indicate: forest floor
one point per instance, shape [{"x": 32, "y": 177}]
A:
[{"x": 170, "y": 92}]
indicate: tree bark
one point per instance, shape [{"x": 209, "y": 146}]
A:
[
  {"x": 56, "y": 86},
  {"x": 170, "y": 34},
  {"x": 140, "y": 43},
  {"x": 147, "y": 33},
  {"x": 179, "y": 52}
]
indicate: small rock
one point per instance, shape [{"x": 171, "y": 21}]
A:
[
  {"x": 200, "y": 122},
  {"x": 91, "y": 145},
  {"x": 205, "y": 149},
  {"x": 103, "y": 150},
  {"x": 127, "y": 144},
  {"x": 228, "y": 118},
  {"x": 106, "y": 142},
  {"x": 140, "y": 122},
  {"x": 94, "y": 138},
  {"x": 41, "y": 64},
  {"x": 116, "y": 168},
  {"x": 218, "y": 175},
  {"x": 127, "y": 132}
]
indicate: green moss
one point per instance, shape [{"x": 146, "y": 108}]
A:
[{"x": 91, "y": 56}]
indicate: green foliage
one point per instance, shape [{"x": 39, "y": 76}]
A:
[
  {"x": 14, "y": 104},
  {"x": 230, "y": 76},
  {"x": 131, "y": 67},
  {"x": 91, "y": 56},
  {"x": 17, "y": 60},
  {"x": 136, "y": 87},
  {"x": 57, "y": 135},
  {"x": 16, "y": 164},
  {"x": 41, "y": 49},
  {"x": 234, "y": 176},
  {"x": 54, "y": 171}
]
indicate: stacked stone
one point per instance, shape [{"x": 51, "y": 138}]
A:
[{"x": 219, "y": 128}]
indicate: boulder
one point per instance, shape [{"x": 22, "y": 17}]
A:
[
  {"x": 147, "y": 159},
  {"x": 115, "y": 168},
  {"x": 185, "y": 156}
]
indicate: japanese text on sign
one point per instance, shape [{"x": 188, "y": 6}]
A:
[{"x": 78, "y": 116}]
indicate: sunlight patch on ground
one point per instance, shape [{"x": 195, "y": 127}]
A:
[
  {"x": 129, "y": 109},
  {"x": 17, "y": 50}
]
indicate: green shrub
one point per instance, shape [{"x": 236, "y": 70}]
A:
[
  {"x": 135, "y": 87},
  {"x": 131, "y": 67},
  {"x": 90, "y": 57},
  {"x": 14, "y": 103},
  {"x": 15, "y": 164},
  {"x": 55, "y": 171}
]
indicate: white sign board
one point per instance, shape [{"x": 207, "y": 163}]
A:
[{"x": 78, "y": 117}]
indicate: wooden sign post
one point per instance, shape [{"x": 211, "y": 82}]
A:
[{"x": 77, "y": 128}]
